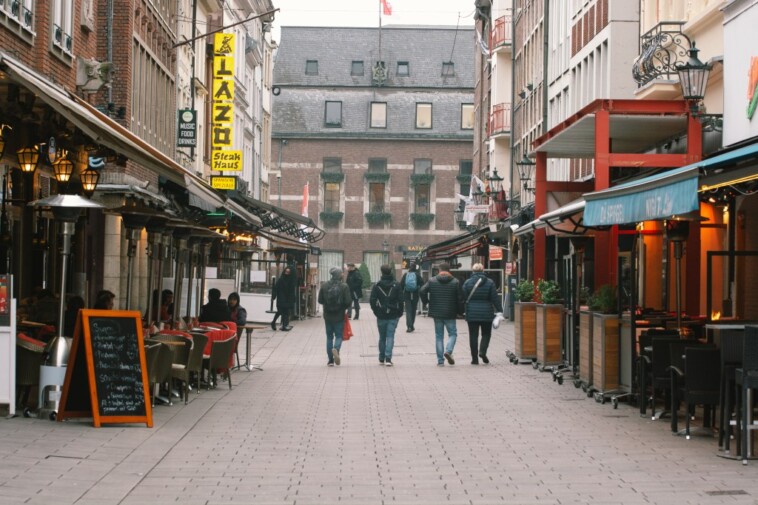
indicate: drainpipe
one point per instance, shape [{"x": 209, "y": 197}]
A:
[{"x": 109, "y": 40}]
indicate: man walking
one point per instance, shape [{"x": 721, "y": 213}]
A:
[
  {"x": 355, "y": 283},
  {"x": 386, "y": 302},
  {"x": 334, "y": 295},
  {"x": 285, "y": 295},
  {"x": 411, "y": 283},
  {"x": 445, "y": 298}
]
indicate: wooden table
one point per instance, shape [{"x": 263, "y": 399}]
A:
[{"x": 248, "y": 345}]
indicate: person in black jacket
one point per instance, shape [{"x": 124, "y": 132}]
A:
[
  {"x": 285, "y": 295},
  {"x": 334, "y": 295},
  {"x": 216, "y": 310},
  {"x": 411, "y": 296},
  {"x": 482, "y": 302},
  {"x": 445, "y": 298},
  {"x": 386, "y": 302},
  {"x": 355, "y": 283}
]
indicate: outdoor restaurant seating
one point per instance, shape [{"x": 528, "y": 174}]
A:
[
  {"x": 220, "y": 357},
  {"x": 746, "y": 379},
  {"x": 193, "y": 364},
  {"x": 660, "y": 376},
  {"x": 730, "y": 343},
  {"x": 694, "y": 382},
  {"x": 161, "y": 370},
  {"x": 644, "y": 361},
  {"x": 29, "y": 354},
  {"x": 152, "y": 350}
]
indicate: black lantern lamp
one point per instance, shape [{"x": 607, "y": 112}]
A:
[
  {"x": 525, "y": 167},
  {"x": 693, "y": 78},
  {"x": 89, "y": 179},
  {"x": 28, "y": 157},
  {"x": 62, "y": 170},
  {"x": 494, "y": 181}
]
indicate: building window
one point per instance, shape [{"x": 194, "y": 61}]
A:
[
  {"x": 422, "y": 166},
  {"x": 376, "y": 197},
  {"x": 333, "y": 115},
  {"x": 422, "y": 199},
  {"x": 332, "y": 165},
  {"x": 331, "y": 196},
  {"x": 423, "y": 115},
  {"x": 378, "y": 115},
  {"x": 464, "y": 178},
  {"x": 63, "y": 25},
  {"x": 374, "y": 262},
  {"x": 311, "y": 67},
  {"x": 465, "y": 166},
  {"x": 377, "y": 165},
  {"x": 19, "y": 17},
  {"x": 467, "y": 116},
  {"x": 402, "y": 69},
  {"x": 448, "y": 69},
  {"x": 356, "y": 68}
]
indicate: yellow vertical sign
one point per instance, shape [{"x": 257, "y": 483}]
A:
[{"x": 222, "y": 131}]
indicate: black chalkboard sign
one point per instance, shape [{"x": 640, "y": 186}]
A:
[{"x": 106, "y": 377}]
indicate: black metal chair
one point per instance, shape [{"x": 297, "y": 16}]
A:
[
  {"x": 731, "y": 343},
  {"x": 644, "y": 377},
  {"x": 746, "y": 379},
  {"x": 695, "y": 381},
  {"x": 660, "y": 375}
]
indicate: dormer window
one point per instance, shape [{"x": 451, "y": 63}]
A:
[
  {"x": 311, "y": 67},
  {"x": 403, "y": 70},
  {"x": 448, "y": 69},
  {"x": 356, "y": 68}
]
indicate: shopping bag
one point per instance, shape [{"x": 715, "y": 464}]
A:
[
  {"x": 499, "y": 318},
  {"x": 347, "y": 332}
]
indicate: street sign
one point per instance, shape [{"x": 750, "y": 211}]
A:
[
  {"x": 496, "y": 254},
  {"x": 186, "y": 133},
  {"x": 225, "y": 182}
]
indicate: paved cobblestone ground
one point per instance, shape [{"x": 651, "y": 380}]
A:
[{"x": 302, "y": 433}]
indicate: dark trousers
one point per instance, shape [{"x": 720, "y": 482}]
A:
[
  {"x": 355, "y": 305},
  {"x": 473, "y": 338},
  {"x": 285, "y": 313},
  {"x": 410, "y": 312}
]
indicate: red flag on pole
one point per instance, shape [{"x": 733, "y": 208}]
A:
[
  {"x": 386, "y": 7},
  {"x": 304, "y": 205}
]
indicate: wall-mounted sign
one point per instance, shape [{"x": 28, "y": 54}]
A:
[
  {"x": 186, "y": 132},
  {"x": 496, "y": 254},
  {"x": 316, "y": 251},
  {"x": 752, "y": 87},
  {"x": 222, "y": 113},
  {"x": 226, "y": 160},
  {"x": 224, "y": 182},
  {"x": 477, "y": 209}
]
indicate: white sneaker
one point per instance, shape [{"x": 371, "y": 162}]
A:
[
  {"x": 388, "y": 363},
  {"x": 336, "y": 354}
]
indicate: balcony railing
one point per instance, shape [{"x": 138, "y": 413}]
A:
[
  {"x": 502, "y": 33},
  {"x": 500, "y": 119},
  {"x": 661, "y": 49}
]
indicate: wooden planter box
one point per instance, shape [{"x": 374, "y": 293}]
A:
[
  {"x": 525, "y": 345},
  {"x": 549, "y": 320},
  {"x": 605, "y": 352},
  {"x": 585, "y": 347}
]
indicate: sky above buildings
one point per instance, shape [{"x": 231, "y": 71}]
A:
[{"x": 366, "y": 13}]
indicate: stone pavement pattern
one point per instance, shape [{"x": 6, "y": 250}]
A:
[{"x": 302, "y": 433}]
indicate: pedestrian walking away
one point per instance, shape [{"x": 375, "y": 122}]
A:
[
  {"x": 411, "y": 284},
  {"x": 444, "y": 297},
  {"x": 334, "y": 296},
  {"x": 386, "y": 302},
  {"x": 355, "y": 283},
  {"x": 284, "y": 294},
  {"x": 482, "y": 303}
]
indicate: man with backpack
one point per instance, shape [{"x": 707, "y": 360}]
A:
[
  {"x": 386, "y": 302},
  {"x": 334, "y": 296},
  {"x": 411, "y": 283},
  {"x": 355, "y": 283}
]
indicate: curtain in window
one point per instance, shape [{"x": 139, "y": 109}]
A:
[
  {"x": 374, "y": 260},
  {"x": 327, "y": 261}
]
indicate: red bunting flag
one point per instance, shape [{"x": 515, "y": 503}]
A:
[{"x": 386, "y": 7}]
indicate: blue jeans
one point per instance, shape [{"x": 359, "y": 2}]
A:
[
  {"x": 387, "y": 329},
  {"x": 334, "y": 337},
  {"x": 439, "y": 334}
]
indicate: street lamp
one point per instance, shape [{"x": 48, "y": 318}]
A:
[
  {"x": 525, "y": 167},
  {"x": 28, "y": 158},
  {"x": 693, "y": 78},
  {"x": 62, "y": 169}
]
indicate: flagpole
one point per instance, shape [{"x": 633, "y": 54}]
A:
[{"x": 380, "y": 30}]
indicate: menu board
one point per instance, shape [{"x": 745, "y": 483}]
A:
[{"x": 106, "y": 377}]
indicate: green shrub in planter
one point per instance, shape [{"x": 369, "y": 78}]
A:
[
  {"x": 524, "y": 291},
  {"x": 548, "y": 292},
  {"x": 603, "y": 299}
]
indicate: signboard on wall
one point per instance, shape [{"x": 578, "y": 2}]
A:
[
  {"x": 496, "y": 254},
  {"x": 222, "y": 113},
  {"x": 186, "y": 131},
  {"x": 228, "y": 183}
]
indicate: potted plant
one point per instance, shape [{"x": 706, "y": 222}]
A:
[
  {"x": 525, "y": 344},
  {"x": 605, "y": 339},
  {"x": 549, "y": 322}
]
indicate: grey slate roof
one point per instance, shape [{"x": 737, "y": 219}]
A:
[{"x": 300, "y": 107}]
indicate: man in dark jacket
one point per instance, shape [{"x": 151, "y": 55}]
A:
[
  {"x": 216, "y": 310},
  {"x": 445, "y": 298},
  {"x": 411, "y": 296},
  {"x": 355, "y": 283},
  {"x": 334, "y": 295},
  {"x": 386, "y": 302},
  {"x": 285, "y": 294},
  {"x": 482, "y": 302}
]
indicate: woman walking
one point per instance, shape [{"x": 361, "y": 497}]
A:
[
  {"x": 284, "y": 294},
  {"x": 482, "y": 302}
]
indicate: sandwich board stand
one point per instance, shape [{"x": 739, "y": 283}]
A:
[{"x": 106, "y": 377}]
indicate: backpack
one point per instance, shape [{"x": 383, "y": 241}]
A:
[
  {"x": 384, "y": 301},
  {"x": 333, "y": 297},
  {"x": 411, "y": 282}
]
